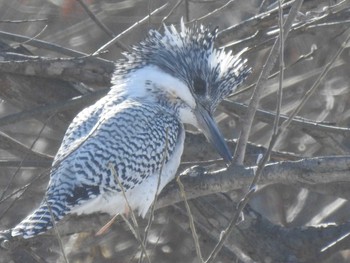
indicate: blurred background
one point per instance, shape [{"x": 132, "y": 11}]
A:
[{"x": 27, "y": 145}]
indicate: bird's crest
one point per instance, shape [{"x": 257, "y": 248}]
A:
[{"x": 188, "y": 54}]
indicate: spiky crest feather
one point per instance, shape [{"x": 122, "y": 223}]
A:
[{"x": 187, "y": 54}]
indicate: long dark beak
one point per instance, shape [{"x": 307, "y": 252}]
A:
[{"x": 211, "y": 131}]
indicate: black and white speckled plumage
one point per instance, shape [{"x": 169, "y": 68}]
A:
[{"x": 127, "y": 135}]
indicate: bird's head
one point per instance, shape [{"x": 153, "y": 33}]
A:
[{"x": 183, "y": 70}]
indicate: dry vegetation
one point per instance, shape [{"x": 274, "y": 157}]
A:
[{"x": 284, "y": 201}]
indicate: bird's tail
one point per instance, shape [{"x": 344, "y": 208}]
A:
[{"x": 40, "y": 220}]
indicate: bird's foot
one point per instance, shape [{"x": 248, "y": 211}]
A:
[{"x": 6, "y": 239}]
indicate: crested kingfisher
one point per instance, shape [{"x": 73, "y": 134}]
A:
[{"x": 119, "y": 153}]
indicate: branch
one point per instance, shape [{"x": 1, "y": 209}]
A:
[
  {"x": 309, "y": 171},
  {"x": 70, "y": 69},
  {"x": 247, "y": 120},
  {"x": 80, "y": 101},
  {"x": 20, "y": 150},
  {"x": 260, "y": 28},
  {"x": 256, "y": 239}
]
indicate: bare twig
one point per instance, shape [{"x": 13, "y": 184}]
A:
[
  {"x": 246, "y": 127},
  {"x": 212, "y": 12},
  {"x": 20, "y": 21},
  {"x": 261, "y": 35},
  {"x": 111, "y": 42},
  {"x": 18, "y": 193},
  {"x": 36, "y": 36},
  {"x": 247, "y": 120},
  {"x": 250, "y": 25},
  {"x": 80, "y": 101},
  {"x": 151, "y": 217},
  {"x": 170, "y": 13},
  {"x": 316, "y": 84},
  {"x": 281, "y": 72},
  {"x": 21, "y": 150},
  {"x": 134, "y": 228},
  {"x": 57, "y": 233},
  {"x": 41, "y": 44},
  {"x": 101, "y": 25},
  {"x": 190, "y": 216},
  {"x": 297, "y": 122},
  {"x": 26, "y": 163},
  {"x": 24, "y": 157}
]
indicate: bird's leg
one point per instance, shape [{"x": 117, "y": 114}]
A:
[
  {"x": 110, "y": 222},
  {"x": 126, "y": 210},
  {"x": 106, "y": 226}
]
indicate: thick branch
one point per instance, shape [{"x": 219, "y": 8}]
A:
[{"x": 310, "y": 171}]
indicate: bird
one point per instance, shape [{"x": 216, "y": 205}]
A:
[{"x": 120, "y": 152}]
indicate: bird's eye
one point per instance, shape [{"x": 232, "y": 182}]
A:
[{"x": 199, "y": 86}]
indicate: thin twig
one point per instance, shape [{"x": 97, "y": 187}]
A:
[
  {"x": 246, "y": 127},
  {"x": 251, "y": 25},
  {"x": 247, "y": 120},
  {"x": 52, "y": 108},
  {"x": 301, "y": 58},
  {"x": 297, "y": 122},
  {"x": 26, "y": 155},
  {"x": 170, "y": 13},
  {"x": 41, "y": 44},
  {"x": 134, "y": 228},
  {"x": 101, "y": 25},
  {"x": 212, "y": 12},
  {"x": 263, "y": 6},
  {"x": 26, "y": 163},
  {"x": 151, "y": 217},
  {"x": 19, "y": 21},
  {"x": 19, "y": 149},
  {"x": 149, "y": 13},
  {"x": 281, "y": 72},
  {"x": 187, "y": 10},
  {"x": 309, "y": 93},
  {"x": 53, "y": 220},
  {"x": 262, "y": 162},
  {"x": 19, "y": 195},
  {"x": 273, "y": 140},
  {"x": 36, "y": 36},
  {"x": 191, "y": 219},
  {"x": 111, "y": 42}
]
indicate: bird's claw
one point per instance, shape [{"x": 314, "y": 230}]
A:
[{"x": 5, "y": 239}]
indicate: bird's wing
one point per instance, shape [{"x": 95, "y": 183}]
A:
[
  {"x": 79, "y": 128},
  {"x": 136, "y": 139}
]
